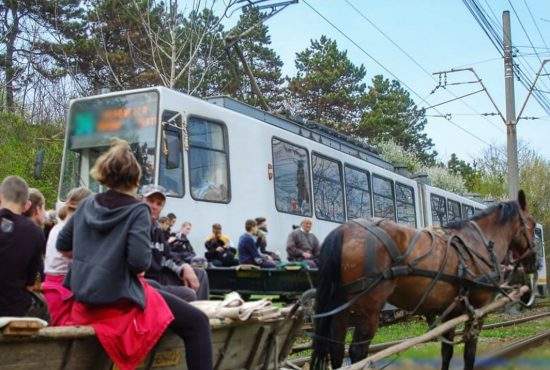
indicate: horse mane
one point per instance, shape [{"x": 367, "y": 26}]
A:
[{"x": 508, "y": 211}]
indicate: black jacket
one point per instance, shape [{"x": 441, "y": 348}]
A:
[{"x": 181, "y": 249}]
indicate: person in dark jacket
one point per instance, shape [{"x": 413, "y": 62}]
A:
[
  {"x": 181, "y": 249},
  {"x": 108, "y": 239},
  {"x": 21, "y": 243},
  {"x": 261, "y": 238},
  {"x": 248, "y": 248},
  {"x": 219, "y": 251},
  {"x": 303, "y": 245},
  {"x": 179, "y": 278}
]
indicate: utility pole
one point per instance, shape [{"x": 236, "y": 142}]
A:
[{"x": 511, "y": 134}]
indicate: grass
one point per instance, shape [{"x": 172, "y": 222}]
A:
[{"x": 429, "y": 354}]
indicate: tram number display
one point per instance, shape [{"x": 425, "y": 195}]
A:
[{"x": 94, "y": 122}]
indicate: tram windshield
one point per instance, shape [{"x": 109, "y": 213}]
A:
[{"x": 93, "y": 123}]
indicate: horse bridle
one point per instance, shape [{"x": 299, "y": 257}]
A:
[{"x": 531, "y": 249}]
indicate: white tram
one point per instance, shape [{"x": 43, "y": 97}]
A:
[{"x": 223, "y": 161}]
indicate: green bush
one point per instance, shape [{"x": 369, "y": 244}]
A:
[{"x": 19, "y": 143}]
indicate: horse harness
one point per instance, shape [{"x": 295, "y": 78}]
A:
[{"x": 398, "y": 268}]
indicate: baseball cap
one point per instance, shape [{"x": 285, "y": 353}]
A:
[{"x": 149, "y": 190}]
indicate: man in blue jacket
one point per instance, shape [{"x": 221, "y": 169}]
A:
[{"x": 248, "y": 249}]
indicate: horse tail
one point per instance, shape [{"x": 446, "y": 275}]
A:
[{"x": 329, "y": 296}]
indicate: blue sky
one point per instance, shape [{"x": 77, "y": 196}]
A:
[{"x": 439, "y": 34}]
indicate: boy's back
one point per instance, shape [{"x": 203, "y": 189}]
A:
[{"x": 20, "y": 254}]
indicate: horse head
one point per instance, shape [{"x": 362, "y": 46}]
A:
[{"x": 522, "y": 246}]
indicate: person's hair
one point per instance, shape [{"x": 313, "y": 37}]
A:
[
  {"x": 75, "y": 196},
  {"x": 305, "y": 220},
  {"x": 171, "y": 216},
  {"x": 249, "y": 225},
  {"x": 186, "y": 223},
  {"x": 260, "y": 220},
  {"x": 163, "y": 219},
  {"x": 216, "y": 227},
  {"x": 37, "y": 201},
  {"x": 14, "y": 189},
  {"x": 117, "y": 168}
]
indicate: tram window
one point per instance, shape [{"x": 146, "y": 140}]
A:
[
  {"x": 439, "y": 210},
  {"x": 383, "y": 196},
  {"x": 328, "y": 192},
  {"x": 291, "y": 178},
  {"x": 453, "y": 211},
  {"x": 171, "y": 154},
  {"x": 406, "y": 213},
  {"x": 467, "y": 211},
  {"x": 357, "y": 193},
  {"x": 208, "y": 161}
]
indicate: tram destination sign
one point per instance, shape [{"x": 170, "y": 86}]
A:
[{"x": 94, "y": 122}]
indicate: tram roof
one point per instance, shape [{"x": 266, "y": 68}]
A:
[{"x": 307, "y": 129}]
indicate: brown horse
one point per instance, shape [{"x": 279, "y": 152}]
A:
[{"x": 364, "y": 264}]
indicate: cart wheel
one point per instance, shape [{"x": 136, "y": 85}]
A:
[{"x": 307, "y": 300}]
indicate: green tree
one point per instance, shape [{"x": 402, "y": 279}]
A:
[
  {"x": 390, "y": 113},
  {"x": 468, "y": 172},
  {"x": 328, "y": 87},
  {"x": 25, "y": 25},
  {"x": 263, "y": 61}
]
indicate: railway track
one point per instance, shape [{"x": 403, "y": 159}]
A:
[
  {"x": 381, "y": 346},
  {"x": 512, "y": 350}
]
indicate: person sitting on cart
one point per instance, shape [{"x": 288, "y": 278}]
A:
[
  {"x": 219, "y": 251},
  {"x": 181, "y": 249},
  {"x": 178, "y": 278},
  {"x": 261, "y": 238},
  {"x": 21, "y": 245},
  {"x": 249, "y": 253},
  {"x": 302, "y": 245}
]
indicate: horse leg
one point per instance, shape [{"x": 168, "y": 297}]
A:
[
  {"x": 471, "y": 330},
  {"x": 339, "y": 328},
  {"x": 447, "y": 349},
  {"x": 365, "y": 329}
]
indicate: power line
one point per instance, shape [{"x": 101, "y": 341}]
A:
[
  {"x": 391, "y": 73},
  {"x": 416, "y": 62}
]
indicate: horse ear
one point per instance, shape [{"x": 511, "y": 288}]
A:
[{"x": 522, "y": 200}]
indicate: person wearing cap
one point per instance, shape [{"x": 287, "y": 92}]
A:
[{"x": 178, "y": 278}]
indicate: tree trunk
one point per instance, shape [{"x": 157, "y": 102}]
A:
[{"x": 9, "y": 62}]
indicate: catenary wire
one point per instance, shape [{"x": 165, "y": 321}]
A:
[{"x": 393, "y": 75}]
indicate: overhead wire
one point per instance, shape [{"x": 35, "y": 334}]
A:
[
  {"x": 490, "y": 29},
  {"x": 408, "y": 55},
  {"x": 391, "y": 73}
]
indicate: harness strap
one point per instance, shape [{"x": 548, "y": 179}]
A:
[{"x": 385, "y": 239}]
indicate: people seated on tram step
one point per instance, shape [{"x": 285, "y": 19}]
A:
[
  {"x": 21, "y": 245},
  {"x": 109, "y": 237},
  {"x": 56, "y": 265},
  {"x": 164, "y": 224},
  {"x": 249, "y": 253},
  {"x": 303, "y": 245},
  {"x": 178, "y": 278},
  {"x": 261, "y": 235},
  {"x": 219, "y": 251},
  {"x": 181, "y": 249}
]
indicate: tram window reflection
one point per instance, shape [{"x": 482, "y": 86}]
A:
[
  {"x": 208, "y": 161},
  {"x": 358, "y": 193},
  {"x": 439, "y": 210},
  {"x": 453, "y": 211},
  {"x": 468, "y": 211},
  {"x": 291, "y": 178},
  {"x": 383, "y": 196},
  {"x": 328, "y": 192},
  {"x": 171, "y": 154},
  {"x": 406, "y": 213}
]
